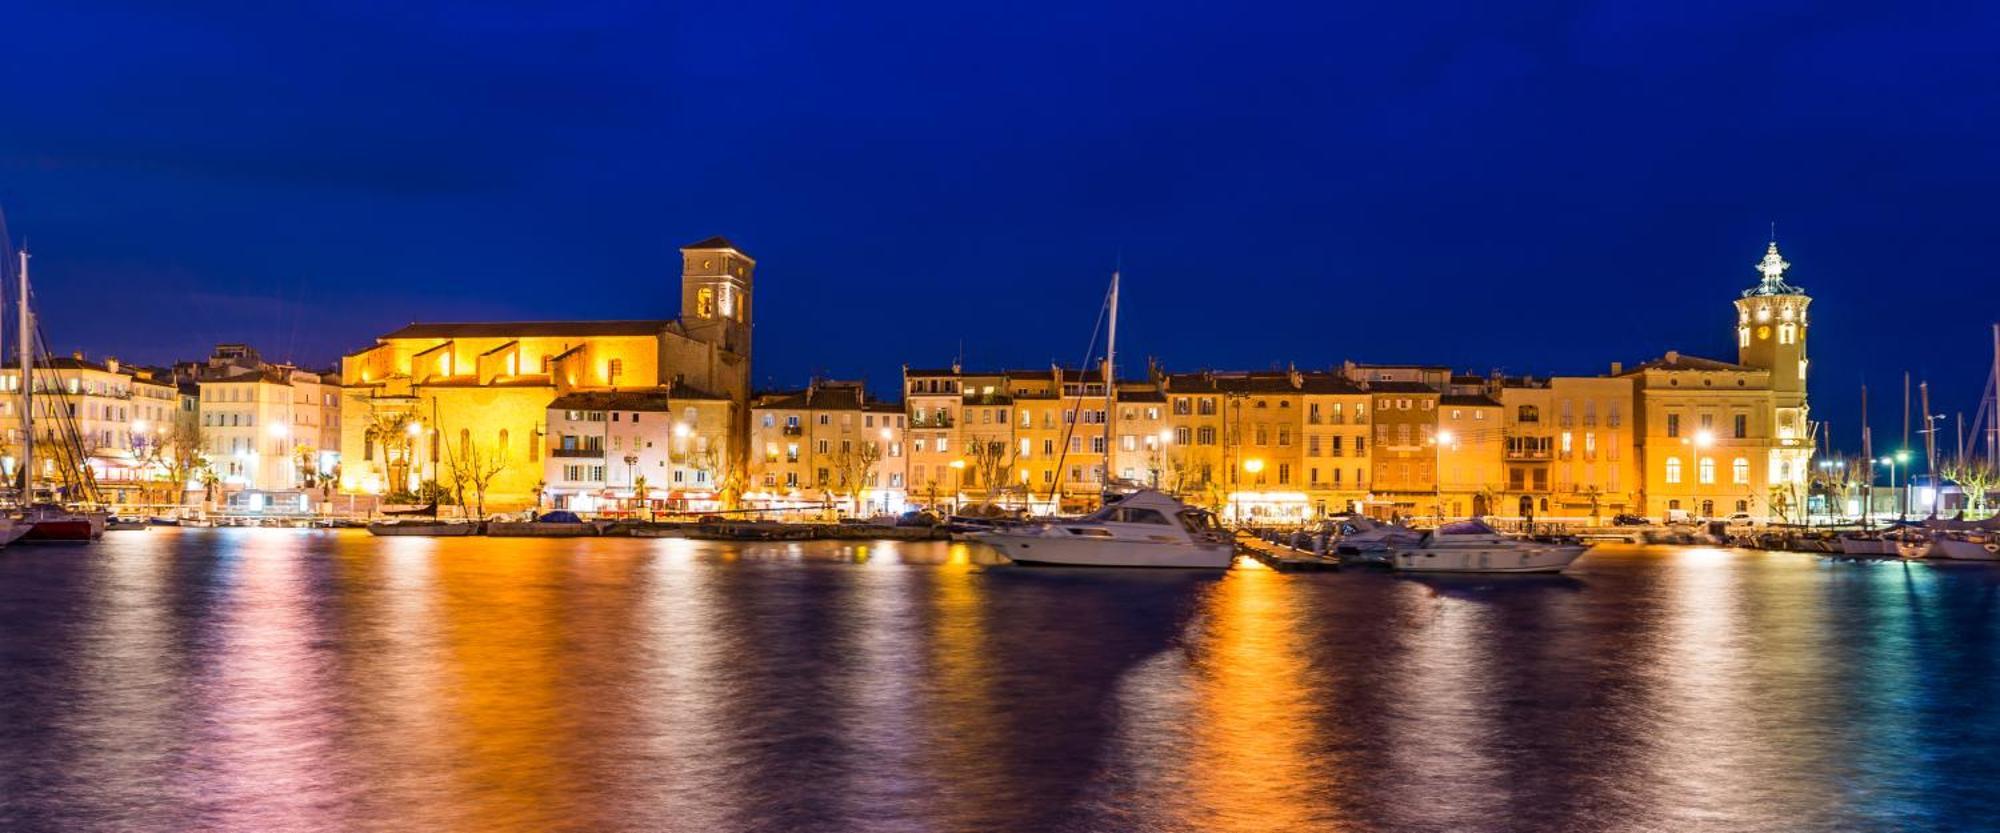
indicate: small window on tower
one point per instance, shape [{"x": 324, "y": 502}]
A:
[{"x": 704, "y": 302}]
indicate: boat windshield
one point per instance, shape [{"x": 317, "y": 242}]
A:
[
  {"x": 1129, "y": 515},
  {"x": 1196, "y": 521},
  {"x": 1465, "y": 528}
]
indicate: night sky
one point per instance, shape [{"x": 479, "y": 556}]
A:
[{"x": 1531, "y": 187}]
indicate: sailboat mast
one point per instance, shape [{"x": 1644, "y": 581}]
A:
[
  {"x": 1867, "y": 463},
  {"x": 27, "y": 392},
  {"x": 1110, "y": 381},
  {"x": 1993, "y": 423}
]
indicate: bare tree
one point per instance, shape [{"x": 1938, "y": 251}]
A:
[
  {"x": 469, "y": 469},
  {"x": 183, "y": 455},
  {"x": 1975, "y": 477},
  {"x": 991, "y": 461},
  {"x": 851, "y": 466}
]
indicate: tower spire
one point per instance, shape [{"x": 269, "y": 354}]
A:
[{"x": 1773, "y": 267}]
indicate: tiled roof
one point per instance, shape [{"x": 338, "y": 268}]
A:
[
  {"x": 1468, "y": 400},
  {"x": 1261, "y": 381},
  {"x": 1683, "y": 361},
  {"x": 822, "y": 398},
  {"x": 623, "y": 400},
  {"x": 1400, "y": 387},
  {"x": 516, "y": 329},
  {"x": 716, "y": 242}
]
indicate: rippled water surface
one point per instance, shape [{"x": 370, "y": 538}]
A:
[{"x": 280, "y": 680}]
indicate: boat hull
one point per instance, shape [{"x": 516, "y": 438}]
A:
[
  {"x": 423, "y": 530},
  {"x": 540, "y": 529},
  {"x": 1052, "y": 551},
  {"x": 1960, "y": 549},
  {"x": 1549, "y": 559},
  {"x": 65, "y": 531}
]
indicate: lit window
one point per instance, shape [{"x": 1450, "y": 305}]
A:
[
  {"x": 1739, "y": 471},
  {"x": 1673, "y": 469},
  {"x": 1707, "y": 470}
]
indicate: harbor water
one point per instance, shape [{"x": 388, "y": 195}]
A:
[{"x": 297, "y": 680}]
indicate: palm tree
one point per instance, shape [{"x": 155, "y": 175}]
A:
[{"x": 389, "y": 431}]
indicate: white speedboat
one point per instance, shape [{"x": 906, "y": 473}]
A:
[
  {"x": 1966, "y": 546},
  {"x": 1144, "y": 529},
  {"x": 11, "y": 530},
  {"x": 1474, "y": 547}
]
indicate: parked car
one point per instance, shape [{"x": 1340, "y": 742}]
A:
[
  {"x": 1628, "y": 519},
  {"x": 1741, "y": 519}
]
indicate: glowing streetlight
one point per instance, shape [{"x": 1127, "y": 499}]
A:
[
  {"x": 416, "y": 428},
  {"x": 1253, "y": 465},
  {"x": 887, "y": 434},
  {"x": 1444, "y": 438},
  {"x": 1704, "y": 438},
  {"x": 1166, "y": 436},
  {"x": 681, "y": 430}
]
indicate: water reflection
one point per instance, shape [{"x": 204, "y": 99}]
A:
[{"x": 280, "y": 680}]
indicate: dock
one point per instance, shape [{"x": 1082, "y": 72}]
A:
[{"x": 1284, "y": 558}]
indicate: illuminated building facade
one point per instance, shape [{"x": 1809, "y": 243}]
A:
[
  {"x": 418, "y": 388},
  {"x": 827, "y": 448},
  {"x": 1719, "y": 438},
  {"x": 663, "y": 450},
  {"x": 267, "y": 427},
  {"x": 114, "y": 411}
]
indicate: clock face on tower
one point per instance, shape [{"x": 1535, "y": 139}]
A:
[{"x": 1763, "y": 333}]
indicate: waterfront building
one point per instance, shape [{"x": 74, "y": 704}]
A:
[
  {"x": 934, "y": 400},
  {"x": 1270, "y": 446},
  {"x": 494, "y": 382},
  {"x": 1470, "y": 444},
  {"x": 1570, "y": 448},
  {"x": 271, "y": 431},
  {"x": 106, "y": 416},
  {"x": 1719, "y": 437},
  {"x": 825, "y": 449},
  {"x": 641, "y": 452},
  {"x": 1405, "y": 455}
]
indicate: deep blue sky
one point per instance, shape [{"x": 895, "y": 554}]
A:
[{"x": 1534, "y": 187}]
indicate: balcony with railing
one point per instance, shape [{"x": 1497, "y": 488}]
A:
[
  {"x": 593, "y": 453},
  {"x": 794, "y": 430}
]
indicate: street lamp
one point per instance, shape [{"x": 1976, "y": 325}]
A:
[{"x": 1902, "y": 506}]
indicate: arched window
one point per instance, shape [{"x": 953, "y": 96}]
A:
[
  {"x": 1707, "y": 472},
  {"x": 1739, "y": 471},
  {"x": 503, "y": 442},
  {"x": 1788, "y": 333},
  {"x": 1673, "y": 469},
  {"x": 1708, "y": 509},
  {"x": 464, "y": 440},
  {"x": 1743, "y": 336}
]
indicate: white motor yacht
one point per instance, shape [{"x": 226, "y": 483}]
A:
[
  {"x": 1145, "y": 529},
  {"x": 1474, "y": 547}
]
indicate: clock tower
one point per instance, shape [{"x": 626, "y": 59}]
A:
[{"x": 1771, "y": 327}]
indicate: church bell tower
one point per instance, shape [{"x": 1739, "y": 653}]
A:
[{"x": 715, "y": 294}]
